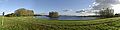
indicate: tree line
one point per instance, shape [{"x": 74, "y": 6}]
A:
[
  {"x": 106, "y": 12},
  {"x": 21, "y": 12}
]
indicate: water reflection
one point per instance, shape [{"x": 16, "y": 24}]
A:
[
  {"x": 68, "y": 18},
  {"x": 53, "y": 18}
]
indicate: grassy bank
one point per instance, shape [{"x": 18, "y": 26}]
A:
[{"x": 30, "y": 23}]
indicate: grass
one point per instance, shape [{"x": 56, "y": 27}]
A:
[{"x": 30, "y": 23}]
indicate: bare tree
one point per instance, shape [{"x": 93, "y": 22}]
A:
[{"x": 106, "y": 12}]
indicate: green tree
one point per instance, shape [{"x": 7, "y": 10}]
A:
[
  {"x": 53, "y": 14},
  {"x": 106, "y": 12},
  {"x": 24, "y": 12}
]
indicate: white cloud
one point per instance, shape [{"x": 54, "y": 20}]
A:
[
  {"x": 116, "y": 8},
  {"x": 99, "y": 4}
]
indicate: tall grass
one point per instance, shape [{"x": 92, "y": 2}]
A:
[{"x": 30, "y": 23}]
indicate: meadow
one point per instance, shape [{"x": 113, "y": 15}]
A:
[{"x": 32, "y": 23}]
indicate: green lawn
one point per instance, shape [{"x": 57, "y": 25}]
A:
[{"x": 30, "y": 23}]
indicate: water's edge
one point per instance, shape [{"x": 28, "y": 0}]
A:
[{"x": 68, "y": 18}]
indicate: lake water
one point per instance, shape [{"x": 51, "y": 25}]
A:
[{"x": 68, "y": 18}]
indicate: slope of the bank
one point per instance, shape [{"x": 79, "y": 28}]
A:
[{"x": 30, "y": 23}]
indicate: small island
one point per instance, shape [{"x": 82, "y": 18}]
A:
[{"x": 59, "y": 14}]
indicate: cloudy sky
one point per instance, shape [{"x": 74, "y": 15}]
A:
[{"x": 64, "y": 7}]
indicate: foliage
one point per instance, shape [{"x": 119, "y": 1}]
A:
[
  {"x": 3, "y": 13},
  {"x": 53, "y": 14},
  {"x": 117, "y": 15},
  {"x": 11, "y": 15},
  {"x": 24, "y": 12},
  {"x": 106, "y": 12}
]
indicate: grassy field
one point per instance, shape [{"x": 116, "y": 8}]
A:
[{"x": 30, "y": 23}]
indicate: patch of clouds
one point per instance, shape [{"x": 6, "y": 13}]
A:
[
  {"x": 67, "y": 10},
  {"x": 80, "y": 12},
  {"x": 100, "y": 4}
]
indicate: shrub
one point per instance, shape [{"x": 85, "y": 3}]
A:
[
  {"x": 53, "y": 14},
  {"x": 11, "y": 15}
]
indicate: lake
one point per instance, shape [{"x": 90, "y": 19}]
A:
[{"x": 68, "y": 18}]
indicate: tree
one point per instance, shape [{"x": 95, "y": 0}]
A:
[
  {"x": 24, "y": 12},
  {"x": 106, "y": 12},
  {"x": 53, "y": 14},
  {"x": 3, "y": 13}
]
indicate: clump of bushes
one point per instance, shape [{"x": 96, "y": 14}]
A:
[
  {"x": 117, "y": 15},
  {"x": 21, "y": 12},
  {"x": 11, "y": 15},
  {"x": 24, "y": 12},
  {"x": 53, "y": 14}
]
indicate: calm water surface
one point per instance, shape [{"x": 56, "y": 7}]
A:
[{"x": 68, "y": 18}]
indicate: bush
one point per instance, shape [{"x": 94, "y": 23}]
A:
[{"x": 11, "y": 15}]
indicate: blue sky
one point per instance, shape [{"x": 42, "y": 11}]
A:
[{"x": 45, "y": 6}]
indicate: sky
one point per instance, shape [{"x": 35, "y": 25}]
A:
[{"x": 64, "y": 7}]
